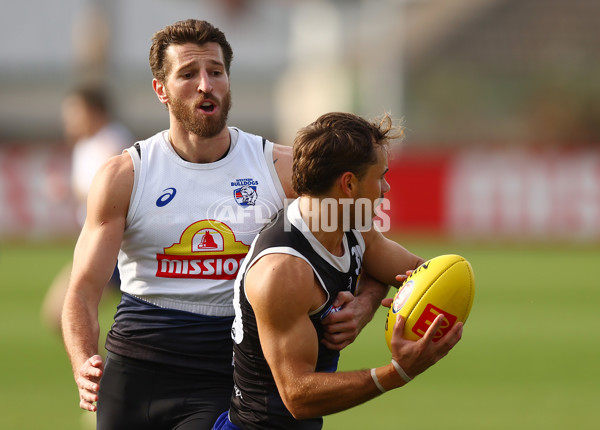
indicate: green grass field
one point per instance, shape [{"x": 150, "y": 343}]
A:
[{"x": 528, "y": 359}]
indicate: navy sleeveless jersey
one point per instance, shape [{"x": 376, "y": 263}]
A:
[
  {"x": 200, "y": 344},
  {"x": 256, "y": 403}
]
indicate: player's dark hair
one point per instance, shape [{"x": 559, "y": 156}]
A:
[
  {"x": 335, "y": 143},
  {"x": 94, "y": 96},
  {"x": 179, "y": 33}
]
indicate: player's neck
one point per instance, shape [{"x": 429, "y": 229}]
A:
[
  {"x": 318, "y": 217},
  {"x": 197, "y": 149}
]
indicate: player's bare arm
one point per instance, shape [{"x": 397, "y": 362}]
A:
[
  {"x": 282, "y": 159},
  {"x": 414, "y": 357},
  {"x": 290, "y": 344},
  {"x": 390, "y": 261},
  {"x": 387, "y": 258},
  {"x": 288, "y": 338},
  {"x": 94, "y": 260}
]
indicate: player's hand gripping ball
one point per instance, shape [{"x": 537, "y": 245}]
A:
[{"x": 442, "y": 285}]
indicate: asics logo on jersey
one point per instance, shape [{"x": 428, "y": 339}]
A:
[{"x": 166, "y": 197}]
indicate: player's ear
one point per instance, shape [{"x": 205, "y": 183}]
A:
[
  {"x": 348, "y": 183},
  {"x": 160, "y": 90}
]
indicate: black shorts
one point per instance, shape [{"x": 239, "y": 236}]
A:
[{"x": 140, "y": 395}]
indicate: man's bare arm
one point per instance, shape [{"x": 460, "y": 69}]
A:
[{"x": 93, "y": 263}]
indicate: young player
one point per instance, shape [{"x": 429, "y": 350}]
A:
[{"x": 284, "y": 377}]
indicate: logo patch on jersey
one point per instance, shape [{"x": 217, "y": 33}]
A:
[
  {"x": 357, "y": 253},
  {"x": 207, "y": 249},
  {"x": 245, "y": 196},
  {"x": 166, "y": 197},
  {"x": 245, "y": 192}
]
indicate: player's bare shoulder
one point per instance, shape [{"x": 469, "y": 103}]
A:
[
  {"x": 277, "y": 267},
  {"x": 282, "y": 159},
  {"x": 119, "y": 164},
  {"x": 373, "y": 238},
  {"x": 117, "y": 170},
  {"x": 265, "y": 278},
  {"x": 113, "y": 183}
]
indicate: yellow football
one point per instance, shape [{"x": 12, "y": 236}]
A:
[{"x": 442, "y": 285}]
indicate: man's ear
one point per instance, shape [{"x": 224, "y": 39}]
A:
[
  {"x": 348, "y": 184},
  {"x": 160, "y": 90}
]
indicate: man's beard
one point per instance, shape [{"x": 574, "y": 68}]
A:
[{"x": 205, "y": 126}]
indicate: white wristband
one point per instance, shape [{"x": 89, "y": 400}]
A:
[
  {"x": 376, "y": 380},
  {"x": 401, "y": 371}
]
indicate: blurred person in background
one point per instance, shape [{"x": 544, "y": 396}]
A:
[
  {"x": 93, "y": 136},
  {"x": 180, "y": 211}
]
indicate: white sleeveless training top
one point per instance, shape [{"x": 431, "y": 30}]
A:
[{"x": 190, "y": 225}]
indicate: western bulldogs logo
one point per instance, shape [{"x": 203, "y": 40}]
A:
[{"x": 245, "y": 196}]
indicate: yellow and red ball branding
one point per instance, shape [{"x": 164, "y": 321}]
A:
[{"x": 442, "y": 285}]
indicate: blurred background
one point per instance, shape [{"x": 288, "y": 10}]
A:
[
  {"x": 501, "y": 161},
  {"x": 501, "y": 98}
]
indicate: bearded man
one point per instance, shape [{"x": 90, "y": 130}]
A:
[{"x": 166, "y": 210}]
